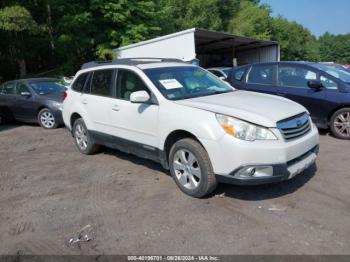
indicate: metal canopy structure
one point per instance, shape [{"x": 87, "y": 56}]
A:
[
  {"x": 209, "y": 47},
  {"x": 211, "y": 42}
]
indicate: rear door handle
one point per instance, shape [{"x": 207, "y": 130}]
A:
[{"x": 85, "y": 102}]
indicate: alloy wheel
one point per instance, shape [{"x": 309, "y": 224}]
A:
[
  {"x": 47, "y": 119},
  {"x": 80, "y": 135},
  {"x": 187, "y": 170},
  {"x": 342, "y": 124}
]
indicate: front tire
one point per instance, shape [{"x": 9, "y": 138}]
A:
[
  {"x": 46, "y": 119},
  {"x": 83, "y": 139},
  {"x": 340, "y": 123},
  {"x": 191, "y": 168}
]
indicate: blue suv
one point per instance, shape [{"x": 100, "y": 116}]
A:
[{"x": 323, "y": 88}]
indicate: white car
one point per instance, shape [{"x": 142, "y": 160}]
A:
[{"x": 191, "y": 122}]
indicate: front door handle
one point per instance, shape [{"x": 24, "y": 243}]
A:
[{"x": 115, "y": 108}]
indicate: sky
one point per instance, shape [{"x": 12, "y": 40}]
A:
[{"x": 319, "y": 16}]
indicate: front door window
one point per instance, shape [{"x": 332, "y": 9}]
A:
[{"x": 294, "y": 76}]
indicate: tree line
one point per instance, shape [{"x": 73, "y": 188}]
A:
[{"x": 40, "y": 37}]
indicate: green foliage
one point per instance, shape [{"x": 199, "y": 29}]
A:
[
  {"x": 297, "y": 43},
  {"x": 335, "y": 48},
  {"x": 209, "y": 14},
  {"x": 19, "y": 29},
  {"x": 41, "y": 35},
  {"x": 16, "y": 19},
  {"x": 105, "y": 53},
  {"x": 196, "y": 15},
  {"x": 252, "y": 21}
]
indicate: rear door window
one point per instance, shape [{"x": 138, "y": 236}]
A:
[
  {"x": 261, "y": 75},
  {"x": 80, "y": 82},
  {"x": 295, "y": 76},
  {"x": 101, "y": 83}
]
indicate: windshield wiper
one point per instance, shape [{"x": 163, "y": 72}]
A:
[
  {"x": 207, "y": 94},
  {"x": 222, "y": 92}
]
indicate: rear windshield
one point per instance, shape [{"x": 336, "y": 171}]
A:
[
  {"x": 184, "y": 82},
  {"x": 47, "y": 87}
]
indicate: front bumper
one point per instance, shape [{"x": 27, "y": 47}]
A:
[
  {"x": 280, "y": 172},
  {"x": 284, "y": 159}
]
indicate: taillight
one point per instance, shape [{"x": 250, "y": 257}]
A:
[{"x": 64, "y": 95}]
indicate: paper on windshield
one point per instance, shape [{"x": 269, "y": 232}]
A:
[{"x": 170, "y": 83}]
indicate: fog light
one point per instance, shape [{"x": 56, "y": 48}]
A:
[{"x": 255, "y": 172}]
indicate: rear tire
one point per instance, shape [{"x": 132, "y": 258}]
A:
[
  {"x": 83, "y": 139},
  {"x": 46, "y": 119},
  {"x": 191, "y": 168},
  {"x": 340, "y": 123}
]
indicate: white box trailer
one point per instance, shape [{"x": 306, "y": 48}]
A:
[{"x": 209, "y": 47}]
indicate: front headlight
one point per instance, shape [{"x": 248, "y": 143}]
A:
[
  {"x": 57, "y": 105},
  {"x": 244, "y": 130}
]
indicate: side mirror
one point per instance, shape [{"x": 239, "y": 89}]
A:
[
  {"x": 139, "y": 97},
  {"x": 315, "y": 84},
  {"x": 26, "y": 94},
  {"x": 222, "y": 78}
]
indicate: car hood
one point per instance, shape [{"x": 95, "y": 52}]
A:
[
  {"x": 54, "y": 97},
  {"x": 260, "y": 109}
]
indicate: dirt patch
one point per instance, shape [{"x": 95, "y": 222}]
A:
[{"x": 49, "y": 191}]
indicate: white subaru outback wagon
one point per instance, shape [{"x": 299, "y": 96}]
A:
[{"x": 190, "y": 121}]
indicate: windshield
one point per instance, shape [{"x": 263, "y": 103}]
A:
[
  {"x": 184, "y": 82},
  {"x": 48, "y": 87},
  {"x": 335, "y": 70}
]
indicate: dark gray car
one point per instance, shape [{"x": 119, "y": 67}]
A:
[{"x": 36, "y": 100}]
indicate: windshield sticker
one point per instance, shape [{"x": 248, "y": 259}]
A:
[{"x": 170, "y": 83}]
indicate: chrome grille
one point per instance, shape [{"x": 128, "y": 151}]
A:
[{"x": 295, "y": 127}]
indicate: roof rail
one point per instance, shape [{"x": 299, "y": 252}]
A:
[{"x": 130, "y": 61}]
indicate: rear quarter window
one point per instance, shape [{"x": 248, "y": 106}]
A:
[
  {"x": 8, "y": 88},
  {"x": 79, "y": 84}
]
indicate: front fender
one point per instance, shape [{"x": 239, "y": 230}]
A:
[{"x": 200, "y": 123}]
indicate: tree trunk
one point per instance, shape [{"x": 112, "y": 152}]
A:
[
  {"x": 22, "y": 67},
  {"x": 49, "y": 25}
]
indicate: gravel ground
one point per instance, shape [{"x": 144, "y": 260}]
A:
[{"x": 49, "y": 192}]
